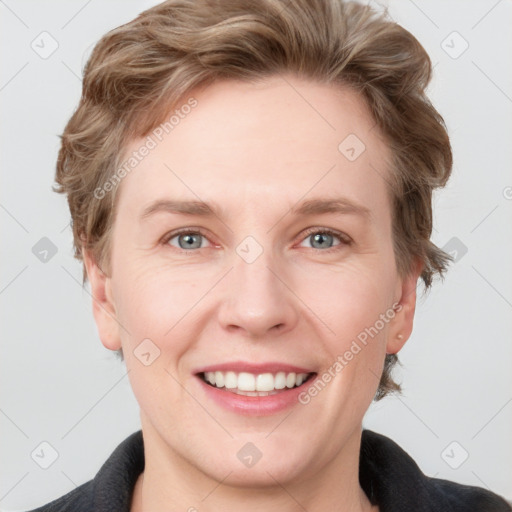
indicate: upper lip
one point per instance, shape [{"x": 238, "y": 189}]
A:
[{"x": 243, "y": 366}]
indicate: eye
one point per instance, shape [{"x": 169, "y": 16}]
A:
[
  {"x": 322, "y": 239},
  {"x": 186, "y": 239}
]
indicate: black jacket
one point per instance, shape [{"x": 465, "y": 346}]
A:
[{"x": 387, "y": 474}]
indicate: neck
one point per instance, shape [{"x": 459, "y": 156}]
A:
[{"x": 171, "y": 483}]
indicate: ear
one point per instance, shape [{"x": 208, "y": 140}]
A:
[
  {"x": 401, "y": 326},
  {"x": 103, "y": 306}
]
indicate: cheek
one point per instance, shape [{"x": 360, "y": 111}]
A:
[
  {"x": 153, "y": 307},
  {"x": 158, "y": 300},
  {"x": 159, "y": 303},
  {"x": 355, "y": 302},
  {"x": 355, "y": 351},
  {"x": 164, "y": 305},
  {"x": 360, "y": 331},
  {"x": 351, "y": 296}
]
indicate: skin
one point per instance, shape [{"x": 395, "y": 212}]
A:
[{"x": 257, "y": 150}]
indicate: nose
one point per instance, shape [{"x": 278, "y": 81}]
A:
[{"x": 258, "y": 301}]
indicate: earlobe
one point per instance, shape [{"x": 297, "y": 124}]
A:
[
  {"x": 401, "y": 327},
  {"x": 103, "y": 305}
]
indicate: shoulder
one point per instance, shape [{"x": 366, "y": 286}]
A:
[
  {"x": 111, "y": 488},
  {"x": 78, "y": 500},
  {"x": 391, "y": 479},
  {"x": 469, "y": 498}
]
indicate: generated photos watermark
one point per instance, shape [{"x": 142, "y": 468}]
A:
[
  {"x": 344, "y": 359},
  {"x": 150, "y": 143}
]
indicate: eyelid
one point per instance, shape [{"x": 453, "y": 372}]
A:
[
  {"x": 188, "y": 230},
  {"x": 342, "y": 237}
]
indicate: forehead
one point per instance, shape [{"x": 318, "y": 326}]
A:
[{"x": 279, "y": 138}]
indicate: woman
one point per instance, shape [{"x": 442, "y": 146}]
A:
[{"x": 251, "y": 185}]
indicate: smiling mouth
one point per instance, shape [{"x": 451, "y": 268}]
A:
[{"x": 249, "y": 384}]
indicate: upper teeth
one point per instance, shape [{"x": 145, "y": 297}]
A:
[{"x": 250, "y": 382}]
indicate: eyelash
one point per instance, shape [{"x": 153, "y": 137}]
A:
[{"x": 345, "y": 240}]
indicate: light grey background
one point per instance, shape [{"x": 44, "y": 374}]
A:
[{"x": 60, "y": 386}]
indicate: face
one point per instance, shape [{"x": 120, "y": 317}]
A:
[{"x": 287, "y": 272}]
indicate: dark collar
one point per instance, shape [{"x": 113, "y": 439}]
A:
[
  {"x": 391, "y": 479},
  {"x": 388, "y": 476},
  {"x": 114, "y": 483}
]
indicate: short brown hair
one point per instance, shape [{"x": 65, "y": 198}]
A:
[{"x": 140, "y": 70}]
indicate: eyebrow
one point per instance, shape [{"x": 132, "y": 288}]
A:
[{"x": 310, "y": 207}]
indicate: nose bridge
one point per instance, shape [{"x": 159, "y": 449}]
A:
[
  {"x": 258, "y": 301},
  {"x": 252, "y": 269}
]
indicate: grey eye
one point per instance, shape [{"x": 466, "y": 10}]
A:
[
  {"x": 321, "y": 240},
  {"x": 188, "y": 240}
]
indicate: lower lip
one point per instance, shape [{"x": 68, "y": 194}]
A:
[{"x": 255, "y": 405}]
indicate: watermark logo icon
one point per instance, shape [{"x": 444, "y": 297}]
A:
[
  {"x": 147, "y": 352},
  {"x": 455, "y": 248},
  {"x": 454, "y": 45},
  {"x": 44, "y": 455},
  {"x": 351, "y": 147},
  {"x": 45, "y": 45},
  {"x": 249, "y": 249},
  {"x": 44, "y": 250},
  {"x": 454, "y": 455},
  {"x": 249, "y": 455}
]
